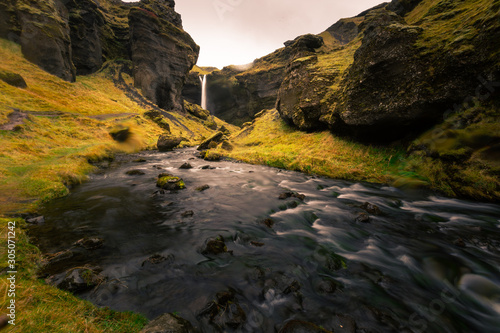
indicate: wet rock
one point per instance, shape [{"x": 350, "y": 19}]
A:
[
  {"x": 135, "y": 173},
  {"x": 168, "y": 323},
  {"x": 290, "y": 194},
  {"x": 371, "y": 208},
  {"x": 167, "y": 142},
  {"x": 215, "y": 246},
  {"x": 202, "y": 188},
  {"x": 167, "y": 181},
  {"x": 363, "y": 218},
  {"x": 297, "y": 326},
  {"x": 13, "y": 79},
  {"x": 90, "y": 243},
  {"x": 208, "y": 167},
  {"x": 186, "y": 166},
  {"x": 292, "y": 288},
  {"x": 36, "y": 220},
  {"x": 268, "y": 222},
  {"x": 216, "y": 138},
  {"x": 326, "y": 286},
  {"x": 257, "y": 244},
  {"x": 140, "y": 160},
  {"x": 77, "y": 280},
  {"x": 156, "y": 259},
  {"x": 459, "y": 242},
  {"x": 224, "y": 311},
  {"x": 187, "y": 213}
]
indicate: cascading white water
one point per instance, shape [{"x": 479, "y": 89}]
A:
[{"x": 203, "y": 91}]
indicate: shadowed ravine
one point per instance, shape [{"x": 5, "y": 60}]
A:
[{"x": 406, "y": 270}]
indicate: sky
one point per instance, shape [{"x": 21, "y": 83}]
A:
[{"x": 236, "y": 32}]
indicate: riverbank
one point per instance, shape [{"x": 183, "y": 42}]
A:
[
  {"x": 269, "y": 141},
  {"x": 53, "y": 134}
]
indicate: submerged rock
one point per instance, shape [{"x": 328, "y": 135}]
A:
[
  {"x": 90, "y": 243},
  {"x": 187, "y": 213},
  {"x": 363, "y": 218},
  {"x": 297, "y": 326},
  {"x": 168, "y": 323},
  {"x": 202, "y": 188},
  {"x": 156, "y": 259},
  {"x": 36, "y": 220},
  {"x": 224, "y": 311},
  {"x": 215, "y": 246},
  {"x": 135, "y": 173},
  {"x": 186, "y": 166},
  {"x": 371, "y": 208}
]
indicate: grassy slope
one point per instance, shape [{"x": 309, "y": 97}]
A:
[
  {"x": 273, "y": 143},
  {"x": 68, "y": 127}
]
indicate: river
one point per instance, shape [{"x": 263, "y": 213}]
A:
[{"x": 423, "y": 263}]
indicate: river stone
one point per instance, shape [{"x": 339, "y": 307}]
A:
[
  {"x": 135, "y": 173},
  {"x": 169, "y": 182},
  {"x": 297, "y": 326},
  {"x": 156, "y": 259},
  {"x": 36, "y": 220},
  {"x": 168, "y": 323},
  {"x": 167, "y": 142},
  {"x": 202, "y": 188},
  {"x": 187, "y": 213},
  {"x": 371, "y": 208},
  {"x": 215, "y": 246},
  {"x": 225, "y": 311},
  {"x": 363, "y": 218},
  {"x": 186, "y": 166},
  {"x": 90, "y": 243}
]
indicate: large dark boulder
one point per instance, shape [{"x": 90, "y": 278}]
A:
[
  {"x": 13, "y": 79},
  {"x": 212, "y": 141},
  {"x": 162, "y": 53},
  {"x": 167, "y": 142}
]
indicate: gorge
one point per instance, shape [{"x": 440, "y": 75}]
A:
[{"x": 369, "y": 204}]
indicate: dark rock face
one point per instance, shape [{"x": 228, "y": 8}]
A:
[
  {"x": 162, "y": 53},
  {"x": 86, "y": 21},
  {"x": 345, "y": 30},
  {"x": 45, "y": 37},
  {"x": 301, "y": 104},
  {"x": 168, "y": 323}
]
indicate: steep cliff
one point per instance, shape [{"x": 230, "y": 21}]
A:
[
  {"x": 161, "y": 51},
  {"x": 69, "y": 37}
]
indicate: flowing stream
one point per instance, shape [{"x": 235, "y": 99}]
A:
[{"x": 423, "y": 264}]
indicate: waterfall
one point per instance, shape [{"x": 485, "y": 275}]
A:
[{"x": 203, "y": 91}]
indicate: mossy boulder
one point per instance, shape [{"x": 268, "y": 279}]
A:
[
  {"x": 167, "y": 142},
  {"x": 167, "y": 181},
  {"x": 214, "y": 139},
  {"x": 13, "y": 79},
  {"x": 120, "y": 134},
  {"x": 196, "y": 110}
]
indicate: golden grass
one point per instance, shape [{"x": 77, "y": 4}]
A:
[
  {"x": 273, "y": 143},
  {"x": 68, "y": 126}
]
